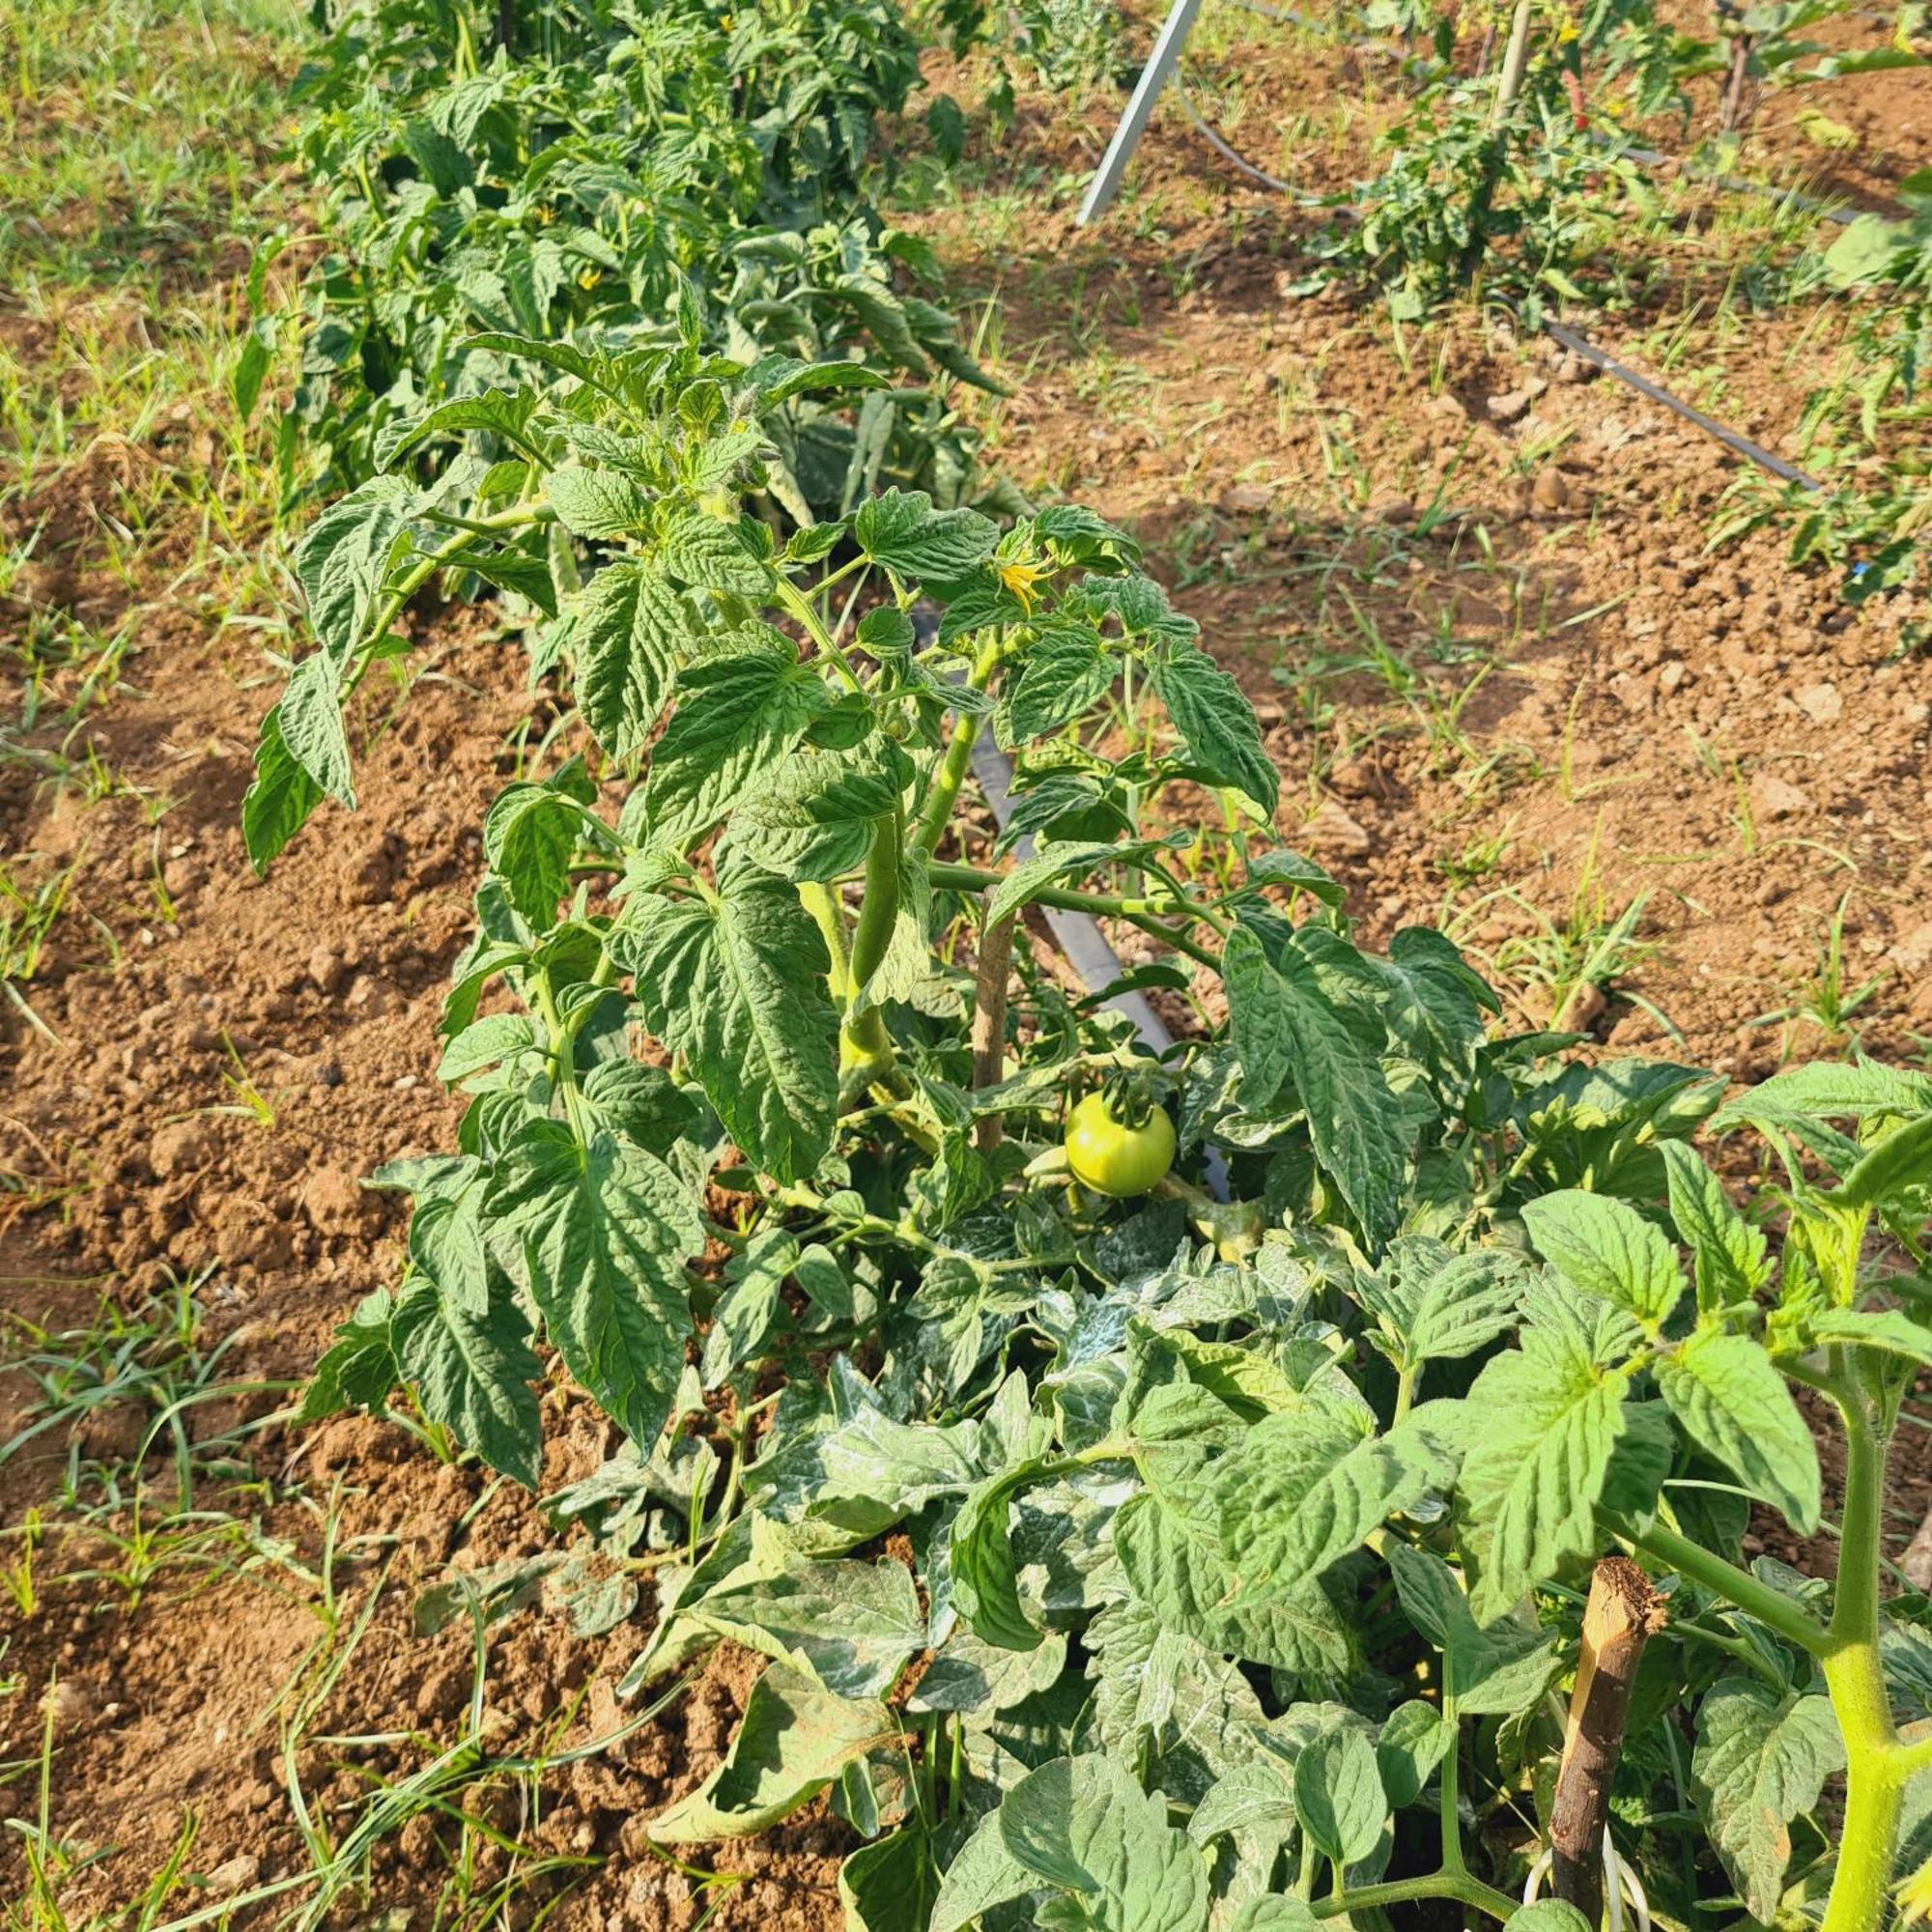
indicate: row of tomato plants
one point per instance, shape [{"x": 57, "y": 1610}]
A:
[{"x": 1246, "y": 1415}]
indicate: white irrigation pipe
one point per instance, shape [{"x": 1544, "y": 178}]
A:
[
  {"x": 1620, "y": 1881},
  {"x": 1079, "y": 939}
]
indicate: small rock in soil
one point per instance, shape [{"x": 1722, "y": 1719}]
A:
[
  {"x": 1246, "y": 499},
  {"x": 328, "y": 968},
  {"x": 1913, "y": 954},
  {"x": 1582, "y": 1009},
  {"x": 1820, "y": 703},
  {"x": 183, "y": 1147},
  {"x": 66, "y": 1704},
  {"x": 1916, "y": 1564},
  {"x": 1551, "y": 489},
  {"x": 1778, "y": 798},
  {"x": 1513, "y": 407},
  {"x": 336, "y": 1203},
  {"x": 236, "y": 1874},
  {"x": 1333, "y": 831},
  {"x": 1357, "y": 777}
]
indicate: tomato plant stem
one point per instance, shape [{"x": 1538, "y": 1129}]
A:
[
  {"x": 1876, "y": 1770},
  {"x": 562, "y": 1052},
  {"x": 1143, "y": 913},
  {"x": 822, "y": 903},
  {"x": 518, "y": 517},
  {"x": 937, "y": 813},
  {"x": 1456, "y": 1885},
  {"x": 800, "y": 607},
  {"x": 868, "y": 1046},
  {"x": 1735, "y": 1585},
  {"x": 1451, "y": 1822}
]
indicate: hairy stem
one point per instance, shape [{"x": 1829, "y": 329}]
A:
[
  {"x": 519, "y": 517},
  {"x": 1459, "y": 1885},
  {"x": 798, "y": 606},
  {"x": 822, "y": 903},
  {"x": 562, "y": 1054},
  {"x": 868, "y": 1046},
  {"x": 1451, "y": 1815},
  {"x": 1140, "y": 912},
  {"x": 1876, "y": 1769}
]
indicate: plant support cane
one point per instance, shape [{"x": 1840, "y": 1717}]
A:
[
  {"x": 1502, "y": 117},
  {"x": 1623, "y": 1613},
  {"x": 989, "y": 1020}
]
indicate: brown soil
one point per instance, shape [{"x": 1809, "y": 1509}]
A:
[
  {"x": 319, "y": 988},
  {"x": 1524, "y": 548},
  {"x": 225, "y": 1076}
]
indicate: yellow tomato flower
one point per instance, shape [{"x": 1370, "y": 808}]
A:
[
  {"x": 1022, "y": 577},
  {"x": 1914, "y": 1896}
]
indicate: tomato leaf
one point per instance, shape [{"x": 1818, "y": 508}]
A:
[
  {"x": 599, "y": 1234},
  {"x": 736, "y": 984},
  {"x": 1606, "y": 1248},
  {"x": 1761, "y": 1758},
  {"x": 1216, "y": 723},
  {"x": 1733, "y": 1404}
]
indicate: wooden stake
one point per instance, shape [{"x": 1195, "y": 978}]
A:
[
  {"x": 1621, "y": 1616},
  {"x": 990, "y": 1021},
  {"x": 1516, "y": 58}
]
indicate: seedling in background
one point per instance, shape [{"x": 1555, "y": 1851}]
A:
[{"x": 1826, "y": 1001}]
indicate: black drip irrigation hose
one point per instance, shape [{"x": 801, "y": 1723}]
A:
[
  {"x": 1808, "y": 204},
  {"x": 1578, "y": 344},
  {"x": 1586, "y": 350},
  {"x": 1237, "y": 159}
]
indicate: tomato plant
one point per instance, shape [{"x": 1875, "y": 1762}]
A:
[
  {"x": 1242, "y": 1540},
  {"x": 1244, "y": 1494},
  {"x": 565, "y": 183},
  {"x": 1868, "y": 517}
]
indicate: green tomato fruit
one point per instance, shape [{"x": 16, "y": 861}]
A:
[{"x": 1112, "y": 1157}]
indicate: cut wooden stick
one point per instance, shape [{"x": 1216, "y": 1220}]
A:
[
  {"x": 1621, "y": 1616},
  {"x": 990, "y": 1021}
]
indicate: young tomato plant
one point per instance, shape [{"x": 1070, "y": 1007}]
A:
[{"x": 1239, "y": 1541}]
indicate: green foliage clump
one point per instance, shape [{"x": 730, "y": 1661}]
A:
[
  {"x": 1241, "y": 1530},
  {"x": 1871, "y": 514},
  {"x": 562, "y": 171}
]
